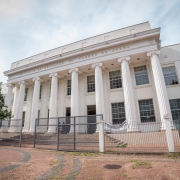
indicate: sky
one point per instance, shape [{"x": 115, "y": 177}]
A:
[{"x": 29, "y": 27}]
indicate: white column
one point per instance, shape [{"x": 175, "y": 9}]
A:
[
  {"x": 14, "y": 107},
  {"x": 8, "y": 104},
  {"x": 20, "y": 103},
  {"x": 53, "y": 102},
  {"x": 129, "y": 102},
  {"x": 99, "y": 91},
  {"x": 160, "y": 86},
  {"x": 35, "y": 102},
  {"x": 74, "y": 95}
]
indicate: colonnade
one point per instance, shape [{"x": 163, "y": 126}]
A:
[{"x": 131, "y": 114}]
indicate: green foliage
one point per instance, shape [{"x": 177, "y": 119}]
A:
[{"x": 4, "y": 113}]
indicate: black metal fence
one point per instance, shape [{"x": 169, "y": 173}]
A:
[
  {"x": 76, "y": 133},
  {"x": 14, "y": 129}
]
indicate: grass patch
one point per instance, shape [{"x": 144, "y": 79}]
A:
[
  {"x": 174, "y": 155},
  {"x": 121, "y": 146},
  {"x": 142, "y": 164},
  {"x": 133, "y": 160},
  {"x": 53, "y": 163},
  {"x": 126, "y": 176},
  {"x": 90, "y": 154}
]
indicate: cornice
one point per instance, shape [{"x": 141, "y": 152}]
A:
[{"x": 80, "y": 51}]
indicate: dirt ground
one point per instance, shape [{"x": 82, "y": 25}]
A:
[{"x": 30, "y": 163}]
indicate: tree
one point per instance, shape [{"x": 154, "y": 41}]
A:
[{"x": 4, "y": 112}]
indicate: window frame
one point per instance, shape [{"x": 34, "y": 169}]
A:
[
  {"x": 92, "y": 84},
  {"x": 118, "y": 111},
  {"x": 172, "y": 65},
  {"x": 68, "y": 94},
  {"x": 40, "y": 92},
  {"x": 109, "y": 81},
  {"x": 26, "y": 94},
  {"x": 154, "y": 109},
  {"x": 148, "y": 76},
  {"x": 23, "y": 118}
]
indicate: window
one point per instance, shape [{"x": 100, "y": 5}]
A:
[
  {"x": 12, "y": 100},
  {"x": 91, "y": 83},
  {"x": 50, "y": 91},
  {"x": 26, "y": 94},
  {"x": 23, "y": 118},
  {"x": 118, "y": 113},
  {"x": 170, "y": 76},
  {"x": 40, "y": 92},
  {"x": 141, "y": 75},
  {"x": 69, "y": 87},
  {"x": 146, "y": 109},
  {"x": 38, "y": 117},
  {"x": 175, "y": 110},
  {"x": 115, "y": 79}
]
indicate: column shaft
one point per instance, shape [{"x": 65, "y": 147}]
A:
[
  {"x": 128, "y": 94},
  {"x": 35, "y": 103},
  {"x": 160, "y": 86},
  {"x": 53, "y": 102}
]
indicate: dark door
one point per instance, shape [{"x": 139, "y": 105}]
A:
[
  {"x": 91, "y": 112},
  {"x": 68, "y": 120}
]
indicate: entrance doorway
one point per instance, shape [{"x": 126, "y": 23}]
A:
[
  {"x": 68, "y": 119},
  {"x": 91, "y": 111}
]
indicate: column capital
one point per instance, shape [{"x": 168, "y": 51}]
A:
[
  {"x": 54, "y": 75},
  {"x": 10, "y": 85},
  {"x": 37, "y": 79},
  {"x": 97, "y": 64},
  {"x": 150, "y": 53},
  {"x": 22, "y": 82},
  {"x": 125, "y": 58},
  {"x": 75, "y": 69}
]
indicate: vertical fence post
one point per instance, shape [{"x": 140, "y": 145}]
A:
[
  {"x": 58, "y": 134},
  {"x": 169, "y": 135},
  {"x": 74, "y": 133},
  {"x": 21, "y": 134},
  {"x": 35, "y": 133},
  {"x": 101, "y": 135}
]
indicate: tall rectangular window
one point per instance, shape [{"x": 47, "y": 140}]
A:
[
  {"x": 69, "y": 87},
  {"x": 12, "y": 100},
  {"x": 23, "y": 118},
  {"x": 38, "y": 117},
  {"x": 175, "y": 108},
  {"x": 170, "y": 76},
  {"x": 118, "y": 113},
  {"x": 146, "y": 109},
  {"x": 40, "y": 91},
  {"x": 91, "y": 83},
  {"x": 26, "y": 94},
  {"x": 141, "y": 75},
  {"x": 115, "y": 79},
  {"x": 50, "y": 91}
]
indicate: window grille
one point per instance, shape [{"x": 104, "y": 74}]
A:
[
  {"x": 141, "y": 75},
  {"x": 69, "y": 87},
  {"x": 115, "y": 79},
  {"x": 170, "y": 76},
  {"x": 23, "y": 118},
  {"x": 26, "y": 94},
  {"x": 175, "y": 108},
  {"x": 118, "y": 113},
  {"x": 40, "y": 91},
  {"x": 91, "y": 83},
  {"x": 146, "y": 109}
]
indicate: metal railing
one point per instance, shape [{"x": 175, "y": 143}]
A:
[
  {"x": 141, "y": 137},
  {"x": 14, "y": 129},
  {"x": 67, "y": 133}
]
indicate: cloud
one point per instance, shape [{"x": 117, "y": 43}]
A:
[{"x": 29, "y": 27}]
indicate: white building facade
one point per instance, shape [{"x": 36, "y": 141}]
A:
[{"x": 123, "y": 74}]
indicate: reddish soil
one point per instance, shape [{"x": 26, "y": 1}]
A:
[
  {"x": 135, "y": 167},
  {"x": 9, "y": 157}
]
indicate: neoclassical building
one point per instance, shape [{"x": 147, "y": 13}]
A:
[{"x": 124, "y": 75}]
